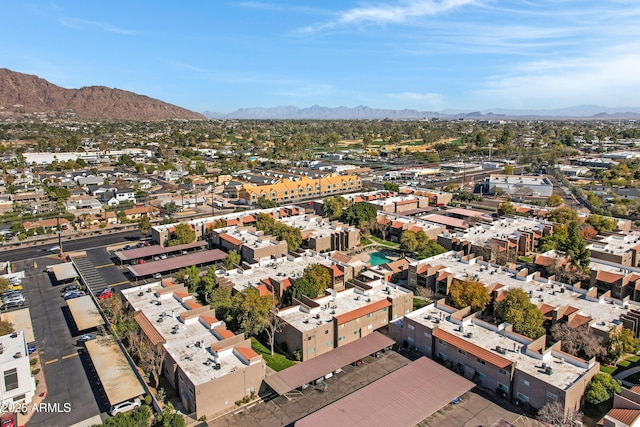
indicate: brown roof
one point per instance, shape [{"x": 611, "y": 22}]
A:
[
  {"x": 625, "y": 416},
  {"x": 544, "y": 261},
  {"x": 397, "y": 224},
  {"x": 415, "y": 228},
  {"x": 447, "y": 221},
  {"x": 223, "y": 333},
  {"x": 246, "y": 352},
  {"x": 578, "y": 320},
  {"x": 607, "y": 277},
  {"x": 362, "y": 311},
  {"x": 192, "y": 305},
  {"x": 405, "y": 202},
  {"x": 209, "y": 320},
  {"x": 414, "y": 392},
  {"x": 149, "y": 330},
  {"x": 232, "y": 221},
  {"x": 263, "y": 290},
  {"x": 522, "y": 209},
  {"x": 232, "y": 240},
  {"x": 248, "y": 219},
  {"x": 153, "y": 250},
  {"x": 342, "y": 257},
  {"x": 312, "y": 369},
  {"x": 336, "y": 271},
  {"x": 484, "y": 354},
  {"x": 176, "y": 263}
]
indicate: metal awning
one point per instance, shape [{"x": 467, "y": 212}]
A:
[
  {"x": 65, "y": 271},
  {"x": 85, "y": 313}
]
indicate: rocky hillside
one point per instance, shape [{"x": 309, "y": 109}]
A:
[{"x": 23, "y": 93}]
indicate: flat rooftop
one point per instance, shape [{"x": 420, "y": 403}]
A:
[
  {"x": 617, "y": 244},
  {"x": 503, "y": 228},
  {"x": 319, "y": 226},
  {"x": 447, "y": 221},
  {"x": 13, "y": 344},
  {"x": 280, "y": 268},
  {"x": 330, "y": 307},
  {"x": 154, "y": 250},
  {"x": 248, "y": 236},
  {"x": 604, "y": 312},
  {"x": 566, "y": 369},
  {"x": 525, "y": 180},
  {"x": 85, "y": 313},
  {"x": 188, "y": 342}
]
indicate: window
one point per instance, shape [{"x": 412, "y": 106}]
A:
[
  {"x": 341, "y": 338},
  {"x": 308, "y": 338},
  {"x": 384, "y": 309},
  {"x": 370, "y": 315},
  {"x": 524, "y": 382},
  {"x": 11, "y": 379},
  {"x": 356, "y": 332},
  {"x": 328, "y": 343},
  {"x": 312, "y": 350},
  {"x": 504, "y": 372},
  {"x": 480, "y": 376},
  {"x": 503, "y": 387},
  {"x": 384, "y": 321},
  {"x": 480, "y": 361},
  {"x": 462, "y": 352},
  {"x": 326, "y": 332},
  {"x": 369, "y": 326},
  {"x": 19, "y": 398},
  {"x": 552, "y": 395},
  {"x": 442, "y": 356},
  {"x": 442, "y": 343},
  {"x": 411, "y": 327},
  {"x": 522, "y": 397},
  {"x": 427, "y": 334},
  {"x": 191, "y": 390}
]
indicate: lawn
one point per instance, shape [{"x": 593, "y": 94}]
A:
[
  {"x": 364, "y": 241},
  {"x": 628, "y": 363},
  {"x": 277, "y": 362},
  {"x": 419, "y": 303},
  {"x": 384, "y": 242}
]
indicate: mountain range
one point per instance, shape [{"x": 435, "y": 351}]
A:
[
  {"x": 317, "y": 112},
  {"x": 23, "y": 93}
]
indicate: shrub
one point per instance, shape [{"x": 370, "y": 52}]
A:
[
  {"x": 148, "y": 399},
  {"x": 36, "y": 371}
]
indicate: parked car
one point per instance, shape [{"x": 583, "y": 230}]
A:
[
  {"x": 69, "y": 288},
  {"x": 72, "y": 295},
  {"x": 14, "y": 297},
  {"x": 12, "y": 304},
  {"x": 16, "y": 287},
  {"x": 8, "y": 420},
  {"x": 54, "y": 249},
  {"x": 86, "y": 337},
  {"x": 124, "y": 406},
  {"x": 163, "y": 256},
  {"x": 127, "y": 247},
  {"x": 140, "y": 245},
  {"x": 32, "y": 349},
  {"x": 9, "y": 293},
  {"x": 71, "y": 292},
  {"x": 105, "y": 293}
]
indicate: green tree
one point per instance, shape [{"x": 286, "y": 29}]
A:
[
  {"x": 299, "y": 288},
  {"x": 170, "y": 208},
  {"x": 182, "y": 235},
  {"x": 409, "y": 241},
  {"x": 602, "y": 223},
  {"x": 554, "y": 200},
  {"x": 332, "y": 206},
  {"x": 232, "y": 260},
  {"x": 508, "y": 170},
  {"x": 563, "y": 215},
  {"x": 169, "y": 418},
  {"x": 190, "y": 276},
  {"x": 465, "y": 293},
  {"x": 265, "y": 203},
  {"x": 126, "y": 160},
  {"x": 601, "y": 388},
  {"x": 431, "y": 248},
  {"x": 506, "y": 208},
  {"x": 4, "y": 284},
  {"x": 575, "y": 246},
  {"x": 251, "y": 310},
  {"x": 144, "y": 225},
  {"x": 392, "y": 186},
  {"x": 358, "y": 214},
  {"x": 621, "y": 341},
  {"x": 139, "y": 417},
  {"x": 525, "y": 317},
  {"x": 318, "y": 276},
  {"x": 222, "y": 303},
  {"x": 208, "y": 283}
]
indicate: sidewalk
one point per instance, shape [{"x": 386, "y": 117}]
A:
[{"x": 40, "y": 394}]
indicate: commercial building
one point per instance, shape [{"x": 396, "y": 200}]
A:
[
  {"x": 322, "y": 235},
  {"x": 519, "y": 185},
  {"x": 316, "y": 326},
  {"x": 399, "y": 204},
  {"x": 251, "y": 244},
  {"x": 209, "y": 366},
  {"x": 525, "y": 371},
  {"x": 18, "y": 386}
]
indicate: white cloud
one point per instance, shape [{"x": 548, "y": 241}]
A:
[
  {"x": 608, "y": 77},
  {"x": 387, "y": 14},
  {"x": 83, "y": 24}
]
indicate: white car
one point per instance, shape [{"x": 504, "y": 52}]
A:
[
  {"x": 124, "y": 406},
  {"x": 54, "y": 249}
]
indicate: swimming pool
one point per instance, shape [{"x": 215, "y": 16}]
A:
[{"x": 377, "y": 258}]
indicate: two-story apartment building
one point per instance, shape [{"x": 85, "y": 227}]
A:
[
  {"x": 251, "y": 244},
  {"x": 623, "y": 248},
  {"x": 18, "y": 386}
]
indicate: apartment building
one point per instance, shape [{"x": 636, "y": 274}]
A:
[
  {"x": 559, "y": 302},
  {"x": 400, "y": 204},
  {"x": 620, "y": 248},
  {"x": 251, "y": 244},
  {"x": 322, "y": 235},
  {"x": 316, "y": 326},
  {"x": 209, "y": 366},
  {"x": 527, "y": 372},
  {"x": 287, "y": 190},
  {"x": 391, "y": 226},
  {"x": 18, "y": 386},
  {"x": 506, "y": 237}
]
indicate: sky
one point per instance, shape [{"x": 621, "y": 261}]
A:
[{"x": 429, "y": 55}]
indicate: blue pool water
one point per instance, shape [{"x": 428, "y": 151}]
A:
[{"x": 377, "y": 258}]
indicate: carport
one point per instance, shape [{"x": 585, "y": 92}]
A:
[
  {"x": 403, "y": 398},
  {"x": 118, "y": 379},
  {"x": 174, "y": 264},
  {"x": 85, "y": 313},
  {"x": 64, "y": 272},
  {"x": 148, "y": 252},
  {"x": 306, "y": 372}
]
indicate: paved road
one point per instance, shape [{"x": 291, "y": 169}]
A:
[{"x": 69, "y": 380}]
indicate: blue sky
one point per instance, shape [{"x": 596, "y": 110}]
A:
[{"x": 429, "y": 55}]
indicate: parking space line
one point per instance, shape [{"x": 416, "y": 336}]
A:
[
  {"x": 69, "y": 356},
  {"x": 119, "y": 283},
  {"x": 48, "y": 362},
  {"x": 104, "y": 265}
]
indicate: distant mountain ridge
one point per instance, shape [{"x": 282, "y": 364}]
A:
[
  {"x": 24, "y": 93},
  {"x": 317, "y": 112}
]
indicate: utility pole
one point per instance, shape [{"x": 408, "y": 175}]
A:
[
  {"x": 213, "y": 209},
  {"x": 59, "y": 235}
]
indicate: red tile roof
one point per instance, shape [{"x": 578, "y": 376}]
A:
[
  {"x": 522, "y": 209},
  {"x": 232, "y": 240},
  {"x": 246, "y": 352},
  {"x": 232, "y": 221},
  {"x": 336, "y": 271},
  {"x": 397, "y": 224},
  {"x": 544, "y": 261},
  {"x": 182, "y": 295},
  {"x": 484, "y": 354},
  {"x": 248, "y": 219},
  {"x": 192, "y": 305},
  {"x": 578, "y": 320},
  {"x": 415, "y": 228},
  {"x": 362, "y": 311},
  {"x": 625, "y": 416},
  {"x": 607, "y": 277},
  {"x": 223, "y": 333},
  {"x": 209, "y": 320},
  {"x": 264, "y": 291}
]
